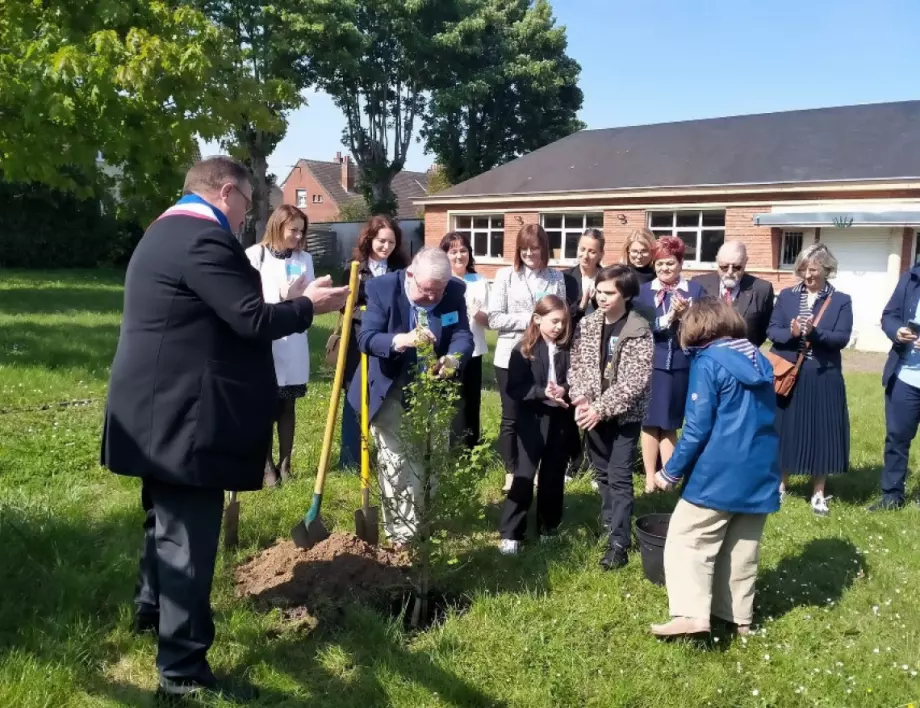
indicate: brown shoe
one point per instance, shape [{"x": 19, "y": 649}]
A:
[
  {"x": 270, "y": 477},
  {"x": 680, "y": 627}
]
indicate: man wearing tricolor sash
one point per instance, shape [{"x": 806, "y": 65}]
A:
[{"x": 191, "y": 400}]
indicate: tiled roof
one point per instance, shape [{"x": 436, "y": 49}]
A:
[{"x": 849, "y": 143}]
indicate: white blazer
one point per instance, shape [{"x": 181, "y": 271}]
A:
[
  {"x": 291, "y": 353},
  {"x": 477, "y": 298}
]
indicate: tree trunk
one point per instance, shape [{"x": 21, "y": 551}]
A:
[{"x": 258, "y": 161}]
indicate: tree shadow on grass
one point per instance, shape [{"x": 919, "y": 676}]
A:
[
  {"x": 817, "y": 576},
  {"x": 858, "y": 486}
]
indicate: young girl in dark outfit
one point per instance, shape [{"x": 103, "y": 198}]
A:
[{"x": 537, "y": 381}]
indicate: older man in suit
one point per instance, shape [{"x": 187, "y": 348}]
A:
[
  {"x": 191, "y": 400},
  {"x": 404, "y": 309},
  {"x": 751, "y": 297}
]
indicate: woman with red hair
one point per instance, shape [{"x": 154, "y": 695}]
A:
[{"x": 668, "y": 295}]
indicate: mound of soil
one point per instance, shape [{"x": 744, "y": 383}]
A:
[{"x": 341, "y": 568}]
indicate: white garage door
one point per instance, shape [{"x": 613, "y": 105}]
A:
[{"x": 863, "y": 275}]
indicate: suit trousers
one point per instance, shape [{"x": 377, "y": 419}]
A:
[
  {"x": 507, "y": 432},
  {"x": 710, "y": 563},
  {"x": 612, "y": 449},
  {"x": 540, "y": 430},
  {"x": 902, "y": 416},
  {"x": 467, "y": 422},
  {"x": 181, "y": 532}
]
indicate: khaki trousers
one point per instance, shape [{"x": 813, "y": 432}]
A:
[
  {"x": 400, "y": 480},
  {"x": 710, "y": 563}
]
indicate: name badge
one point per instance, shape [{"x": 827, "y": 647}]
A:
[
  {"x": 541, "y": 294},
  {"x": 470, "y": 278},
  {"x": 449, "y": 318},
  {"x": 293, "y": 270}
]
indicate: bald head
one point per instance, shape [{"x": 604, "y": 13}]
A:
[{"x": 731, "y": 260}]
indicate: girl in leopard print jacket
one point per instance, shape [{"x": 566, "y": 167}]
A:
[{"x": 610, "y": 378}]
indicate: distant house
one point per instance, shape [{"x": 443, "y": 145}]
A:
[
  {"x": 321, "y": 188},
  {"x": 848, "y": 177}
]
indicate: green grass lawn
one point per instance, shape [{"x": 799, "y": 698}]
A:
[{"x": 838, "y": 598}]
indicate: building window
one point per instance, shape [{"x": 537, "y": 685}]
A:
[
  {"x": 486, "y": 234},
  {"x": 301, "y": 197},
  {"x": 317, "y": 198},
  {"x": 702, "y": 231},
  {"x": 564, "y": 231},
  {"x": 792, "y": 247}
]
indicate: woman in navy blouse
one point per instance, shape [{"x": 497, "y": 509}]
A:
[
  {"x": 668, "y": 296},
  {"x": 813, "y": 421}
]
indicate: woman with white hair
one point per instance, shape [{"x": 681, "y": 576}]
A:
[{"x": 811, "y": 324}]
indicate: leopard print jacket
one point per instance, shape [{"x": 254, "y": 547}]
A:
[{"x": 627, "y": 397}]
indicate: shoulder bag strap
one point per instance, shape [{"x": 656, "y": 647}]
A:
[{"x": 801, "y": 357}]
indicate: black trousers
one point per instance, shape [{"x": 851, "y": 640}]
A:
[
  {"x": 612, "y": 452},
  {"x": 507, "y": 432},
  {"x": 468, "y": 415},
  {"x": 181, "y": 531},
  {"x": 902, "y": 416},
  {"x": 576, "y": 449},
  {"x": 539, "y": 430}
]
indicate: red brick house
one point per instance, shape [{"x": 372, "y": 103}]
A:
[
  {"x": 848, "y": 176},
  {"x": 321, "y": 188}
]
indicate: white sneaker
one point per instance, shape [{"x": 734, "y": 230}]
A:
[
  {"x": 568, "y": 478},
  {"x": 594, "y": 485},
  {"x": 509, "y": 547},
  {"x": 819, "y": 505},
  {"x": 509, "y": 478}
]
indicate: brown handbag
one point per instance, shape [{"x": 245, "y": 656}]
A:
[{"x": 784, "y": 372}]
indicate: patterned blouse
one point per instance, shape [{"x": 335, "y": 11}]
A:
[{"x": 806, "y": 310}]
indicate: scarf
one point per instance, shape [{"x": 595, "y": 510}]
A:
[
  {"x": 196, "y": 207},
  {"x": 662, "y": 292}
]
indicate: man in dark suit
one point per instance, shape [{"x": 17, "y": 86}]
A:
[
  {"x": 405, "y": 308},
  {"x": 751, "y": 297},
  {"x": 191, "y": 400}
]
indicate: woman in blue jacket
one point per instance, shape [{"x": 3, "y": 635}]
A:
[
  {"x": 813, "y": 320},
  {"x": 727, "y": 456}
]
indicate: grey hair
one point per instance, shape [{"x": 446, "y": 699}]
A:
[
  {"x": 433, "y": 263},
  {"x": 820, "y": 255},
  {"x": 737, "y": 246}
]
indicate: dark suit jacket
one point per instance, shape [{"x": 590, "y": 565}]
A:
[
  {"x": 192, "y": 393},
  {"x": 900, "y": 309},
  {"x": 754, "y": 303},
  {"x": 527, "y": 378},
  {"x": 387, "y": 315},
  {"x": 827, "y": 339},
  {"x": 574, "y": 293}
]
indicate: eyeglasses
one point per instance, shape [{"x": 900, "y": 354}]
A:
[
  {"x": 248, "y": 200},
  {"x": 726, "y": 267},
  {"x": 434, "y": 293}
]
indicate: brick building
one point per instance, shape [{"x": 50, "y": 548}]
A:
[
  {"x": 321, "y": 188},
  {"x": 845, "y": 176}
]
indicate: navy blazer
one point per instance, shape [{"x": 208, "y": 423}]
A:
[
  {"x": 667, "y": 338},
  {"x": 900, "y": 309},
  {"x": 387, "y": 315},
  {"x": 827, "y": 339}
]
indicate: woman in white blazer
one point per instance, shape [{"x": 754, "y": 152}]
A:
[{"x": 280, "y": 259}]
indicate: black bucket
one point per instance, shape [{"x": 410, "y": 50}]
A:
[{"x": 651, "y": 530}]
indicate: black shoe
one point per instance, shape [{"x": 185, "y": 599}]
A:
[
  {"x": 886, "y": 505},
  {"x": 172, "y": 691},
  {"x": 145, "y": 623},
  {"x": 615, "y": 558}
]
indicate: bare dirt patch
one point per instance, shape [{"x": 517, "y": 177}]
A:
[{"x": 341, "y": 569}]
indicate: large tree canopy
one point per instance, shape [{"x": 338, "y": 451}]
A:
[
  {"x": 376, "y": 58},
  {"x": 130, "y": 82},
  {"x": 506, "y": 88}
]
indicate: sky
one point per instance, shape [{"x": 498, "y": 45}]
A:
[{"x": 657, "y": 61}]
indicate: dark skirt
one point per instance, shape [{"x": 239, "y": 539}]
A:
[
  {"x": 813, "y": 423},
  {"x": 669, "y": 399},
  {"x": 289, "y": 393}
]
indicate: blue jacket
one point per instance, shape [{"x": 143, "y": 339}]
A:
[
  {"x": 387, "y": 315},
  {"x": 827, "y": 339},
  {"x": 668, "y": 354},
  {"x": 900, "y": 308},
  {"x": 729, "y": 449}
]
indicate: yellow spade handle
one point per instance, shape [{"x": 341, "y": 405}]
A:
[
  {"x": 337, "y": 381},
  {"x": 365, "y": 426}
]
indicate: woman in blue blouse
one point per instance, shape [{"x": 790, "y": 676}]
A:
[
  {"x": 668, "y": 296},
  {"x": 813, "y": 421}
]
